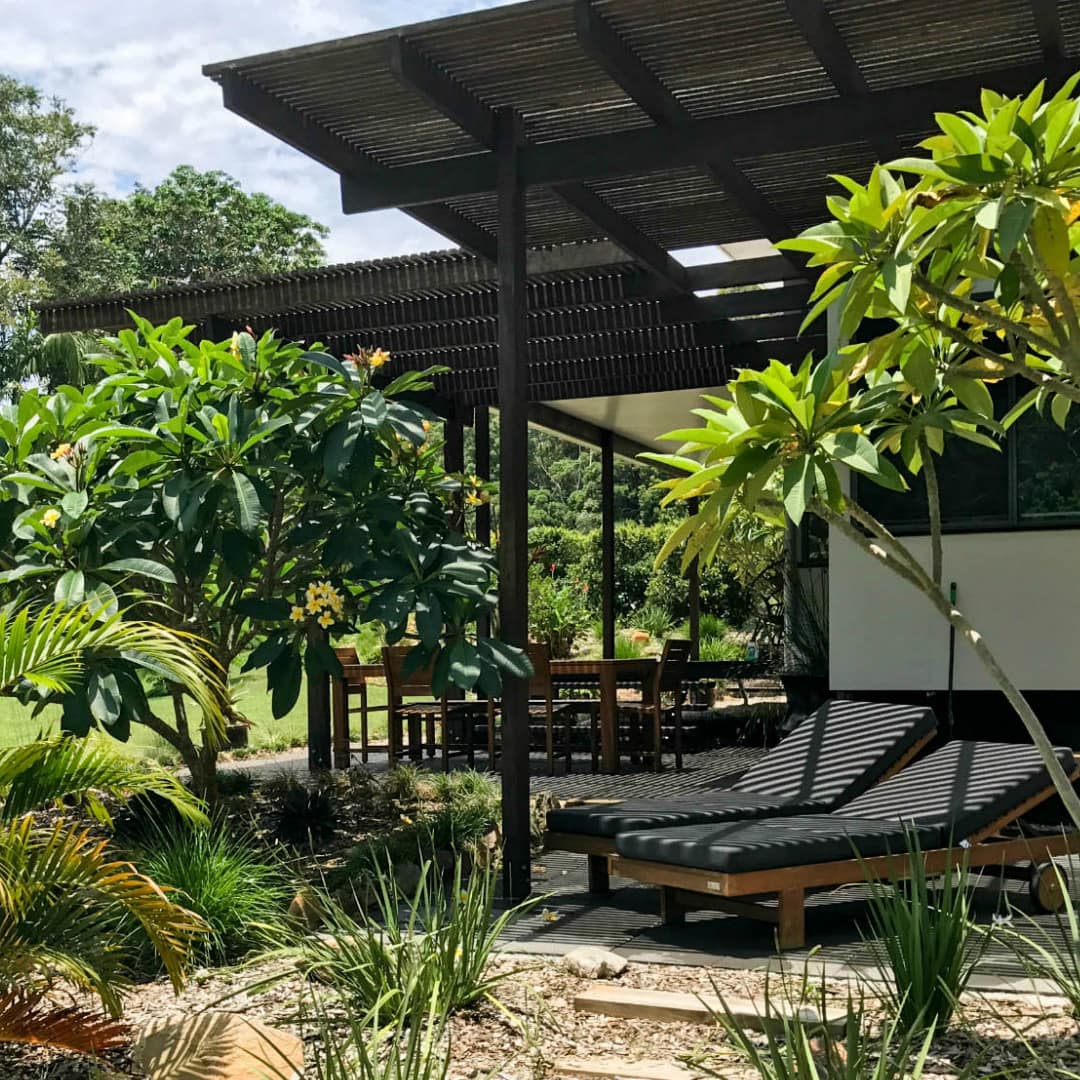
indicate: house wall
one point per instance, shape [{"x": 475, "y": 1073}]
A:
[{"x": 1020, "y": 589}]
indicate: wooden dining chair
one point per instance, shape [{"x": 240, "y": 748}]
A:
[
  {"x": 429, "y": 711},
  {"x": 352, "y": 685},
  {"x": 543, "y": 706},
  {"x": 661, "y": 703}
]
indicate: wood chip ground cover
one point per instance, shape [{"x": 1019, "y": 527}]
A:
[{"x": 537, "y": 1026}]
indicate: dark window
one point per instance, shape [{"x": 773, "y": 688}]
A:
[{"x": 1033, "y": 480}]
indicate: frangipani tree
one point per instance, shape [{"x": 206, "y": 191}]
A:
[
  {"x": 254, "y": 492},
  {"x": 780, "y": 444},
  {"x": 974, "y": 265}
]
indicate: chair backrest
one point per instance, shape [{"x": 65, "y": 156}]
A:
[
  {"x": 671, "y": 673},
  {"x": 540, "y": 681},
  {"x": 347, "y": 654},
  {"x": 839, "y": 751},
  {"x": 398, "y": 684},
  {"x": 962, "y": 788}
]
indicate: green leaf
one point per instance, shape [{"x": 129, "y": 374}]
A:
[
  {"x": 103, "y": 696},
  {"x": 266, "y": 610},
  {"x": 798, "y": 487},
  {"x": 1050, "y": 238},
  {"x": 331, "y": 363},
  {"x": 429, "y": 620},
  {"x": 146, "y": 567},
  {"x": 264, "y": 653},
  {"x": 1013, "y": 224},
  {"x": 74, "y": 503},
  {"x": 464, "y": 664},
  {"x": 338, "y": 445},
  {"x": 284, "y": 677},
  {"x": 246, "y": 500},
  {"x": 1059, "y": 409},
  {"x": 71, "y": 588},
  {"x": 896, "y": 276},
  {"x": 24, "y": 570},
  {"x": 974, "y": 395}
]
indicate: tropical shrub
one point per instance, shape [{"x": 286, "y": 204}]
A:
[
  {"x": 256, "y": 493},
  {"x": 431, "y": 946},
  {"x": 71, "y": 909},
  {"x": 924, "y": 941},
  {"x": 558, "y": 614}
]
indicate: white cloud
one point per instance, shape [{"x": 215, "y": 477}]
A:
[{"x": 133, "y": 69}]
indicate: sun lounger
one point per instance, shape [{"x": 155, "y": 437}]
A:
[
  {"x": 834, "y": 755},
  {"x": 956, "y": 801}
]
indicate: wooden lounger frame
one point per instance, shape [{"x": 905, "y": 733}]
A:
[
  {"x": 599, "y": 849},
  {"x": 684, "y": 889}
]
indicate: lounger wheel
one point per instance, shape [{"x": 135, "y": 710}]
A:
[{"x": 1047, "y": 887}]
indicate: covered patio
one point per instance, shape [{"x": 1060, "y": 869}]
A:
[{"x": 568, "y": 147}]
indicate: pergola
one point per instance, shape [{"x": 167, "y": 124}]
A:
[{"x": 651, "y": 126}]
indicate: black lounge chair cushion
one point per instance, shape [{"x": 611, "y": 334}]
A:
[
  {"x": 950, "y": 795},
  {"x": 710, "y": 806},
  {"x": 838, "y": 752},
  {"x": 769, "y": 844},
  {"x": 833, "y": 755},
  {"x": 962, "y": 788}
]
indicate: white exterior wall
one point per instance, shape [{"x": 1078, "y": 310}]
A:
[{"x": 1021, "y": 590}]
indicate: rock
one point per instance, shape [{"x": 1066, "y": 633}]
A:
[
  {"x": 407, "y": 878},
  {"x": 307, "y": 908},
  {"x": 353, "y": 898},
  {"x": 445, "y": 861},
  {"x": 217, "y": 1046},
  {"x": 590, "y": 962},
  {"x": 639, "y": 637}
]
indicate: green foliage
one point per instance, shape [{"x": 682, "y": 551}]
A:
[
  {"x": 558, "y": 614},
  {"x": 973, "y": 259},
  {"x": 628, "y": 648},
  {"x": 721, "y": 648},
  {"x": 194, "y": 226},
  {"x": 432, "y": 945},
  {"x": 924, "y": 941},
  {"x": 373, "y": 1047},
  {"x": 655, "y": 620},
  {"x": 249, "y": 490},
  {"x": 795, "y": 1050},
  {"x": 305, "y": 813},
  {"x": 70, "y": 908},
  {"x": 1049, "y": 953},
  {"x": 221, "y": 877}
]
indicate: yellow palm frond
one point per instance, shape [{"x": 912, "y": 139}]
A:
[{"x": 32, "y": 1020}]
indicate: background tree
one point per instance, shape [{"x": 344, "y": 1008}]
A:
[
  {"x": 194, "y": 226},
  {"x": 39, "y": 141}
]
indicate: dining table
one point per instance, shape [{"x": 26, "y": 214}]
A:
[{"x": 607, "y": 675}]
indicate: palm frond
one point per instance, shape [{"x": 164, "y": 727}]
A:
[
  {"x": 63, "y": 767},
  {"x": 48, "y": 647},
  {"x": 64, "y": 902},
  {"x": 31, "y": 1019}
]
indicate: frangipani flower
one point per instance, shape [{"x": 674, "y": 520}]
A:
[
  {"x": 297, "y": 614},
  {"x": 50, "y": 518},
  {"x": 62, "y": 452}
]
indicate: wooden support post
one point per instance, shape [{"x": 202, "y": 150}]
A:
[
  {"x": 607, "y": 543},
  {"x": 454, "y": 462},
  {"x": 482, "y": 452},
  {"x": 513, "y": 374},
  {"x": 791, "y": 919},
  {"x": 318, "y": 712}
]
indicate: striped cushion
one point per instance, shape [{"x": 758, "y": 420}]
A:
[
  {"x": 628, "y": 814},
  {"x": 768, "y": 844},
  {"x": 838, "y": 752},
  {"x": 961, "y": 788}
]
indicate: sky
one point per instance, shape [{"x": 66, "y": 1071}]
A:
[{"x": 132, "y": 68}]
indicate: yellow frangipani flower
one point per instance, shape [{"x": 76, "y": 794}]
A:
[
  {"x": 426, "y": 425},
  {"x": 378, "y": 358},
  {"x": 325, "y": 620},
  {"x": 234, "y": 345},
  {"x": 50, "y": 518},
  {"x": 297, "y": 614},
  {"x": 314, "y": 606},
  {"x": 64, "y": 450}
]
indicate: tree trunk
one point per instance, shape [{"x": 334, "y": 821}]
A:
[
  {"x": 892, "y": 554},
  {"x": 933, "y": 503}
]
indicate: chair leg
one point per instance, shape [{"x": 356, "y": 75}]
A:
[
  {"x": 569, "y": 735},
  {"x": 364, "y": 724},
  {"x": 672, "y": 912},
  {"x": 599, "y": 879},
  {"x": 678, "y": 736},
  {"x": 658, "y": 736},
  {"x": 549, "y": 738},
  {"x": 393, "y": 719},
  {"x": 491, "y": 733},
  {"x": 445, "y": 739},
  {"x": 416, "y": 746},
  {"x": 429, "y": 735},
  {"x": 594, "y": 742}
]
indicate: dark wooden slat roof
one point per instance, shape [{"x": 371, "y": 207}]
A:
[
  {"x": 598, "y": 326},
  {"x": 716, "y": 58}
]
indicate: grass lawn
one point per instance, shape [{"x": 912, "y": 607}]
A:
[{"x": 18, "y": 726}]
